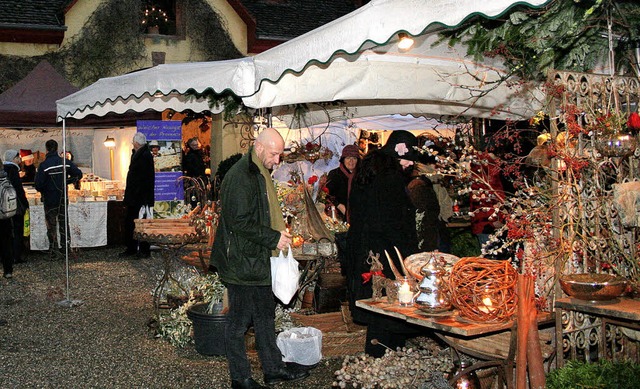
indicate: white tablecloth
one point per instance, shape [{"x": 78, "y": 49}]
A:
[{"x": 87, "y": 225}]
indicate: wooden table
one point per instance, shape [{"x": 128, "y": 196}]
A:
[
  {"x": 452, "y": 324},
  {"x": 622, "y": 309},
  {"x": 87, "y": 225},
  {"x": 172, "y": 236},
  {"x": 623, "y": 312},
  {"x": 493, "y": 343}
]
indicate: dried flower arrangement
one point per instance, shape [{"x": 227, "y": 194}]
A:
[{"x": 560, "y": 217}]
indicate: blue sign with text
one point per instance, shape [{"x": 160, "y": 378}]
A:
[
  {"x": 168, "y": 187},
  {"x": 160, "y": 129}
]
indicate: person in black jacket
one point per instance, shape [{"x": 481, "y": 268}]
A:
[
  {"x": 250, "y": 227},
  {"x": 12, "y": 168},
  {"x": 50, "y": 182},
  {"x": 339, "y": 180},
  {"x": 193, "y": 166},
  {"x": 6, "y": 246},
  {"x": 382, "y": 217},
  {"x": 139, "y": 192}
]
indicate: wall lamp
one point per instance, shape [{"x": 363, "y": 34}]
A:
[
  {"x": 406, "y": 42},
  {"x": 110, "y": 143}
]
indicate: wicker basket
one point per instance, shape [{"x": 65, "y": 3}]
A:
[{"x": 340, "y": 337}]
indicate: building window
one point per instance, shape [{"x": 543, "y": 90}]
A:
[{"x": 159, "y": 17}]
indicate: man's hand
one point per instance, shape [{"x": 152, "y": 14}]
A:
[{"x": 285, "y": 240}]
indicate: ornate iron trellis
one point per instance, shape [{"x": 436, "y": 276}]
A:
[
  {"x": 248, "y": 127},
  {"x": 603, "y": 239}
]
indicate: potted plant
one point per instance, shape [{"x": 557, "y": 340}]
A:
[
  {"x": 208, "y": 316},
  {"x": 202, "y": 315}
]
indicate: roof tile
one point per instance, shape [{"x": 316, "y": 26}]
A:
[
  {"x": 287, "y": 19},
  {"x": 32, "y": 12}
]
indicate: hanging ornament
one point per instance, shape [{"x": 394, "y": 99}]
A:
[{"x": 204, "y": 126}]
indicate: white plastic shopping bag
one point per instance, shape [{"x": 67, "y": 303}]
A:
[
  {"x": 285, "y": 274},
  {"x": 146, "y": 212},
  {"x": 302, "y": 345}
]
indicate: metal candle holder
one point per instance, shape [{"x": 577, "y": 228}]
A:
[{"x": 433, "y": 297}]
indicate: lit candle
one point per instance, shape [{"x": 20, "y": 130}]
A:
[
  {"x": 405, "y": 295},
  {"x": 488, "y": 305}
]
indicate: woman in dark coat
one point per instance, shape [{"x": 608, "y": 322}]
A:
[
  {"x": 340, "y": 180},
  {"x": 193, "y": 166},
  {"x": 139, "y": 191},
  {"x": 382, "y": 217}
]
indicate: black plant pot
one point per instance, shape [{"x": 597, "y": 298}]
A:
[{"x": 208, "y": 330}]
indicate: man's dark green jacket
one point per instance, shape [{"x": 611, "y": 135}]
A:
[{"x": 244, "y": 239}]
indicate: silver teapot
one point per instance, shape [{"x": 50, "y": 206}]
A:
[{"x": 434, "y": 293}]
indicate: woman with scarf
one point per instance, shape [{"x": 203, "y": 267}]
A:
[{"x": 339, "y": 180}]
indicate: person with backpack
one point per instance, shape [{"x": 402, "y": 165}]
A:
[
  {"x": 12, "y": 168},
  {"x": 51, "y": 182},
  {"x": 8, "y": 205}
]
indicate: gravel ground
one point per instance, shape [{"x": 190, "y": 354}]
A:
[{"x": 105, "y": 341}]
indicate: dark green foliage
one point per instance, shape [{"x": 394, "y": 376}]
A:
[
  {"x": 110, "y": 41},
  {"x": 565, "y": 35},
  {"x": 601, "y": 375},
  {"x": 208, "y": 32},
  {"x": 14, "y": 69},
  {"x": 464, "y": 243},
  {"x": 225, "y": 165},
  {"x": 223, "y": 168}
]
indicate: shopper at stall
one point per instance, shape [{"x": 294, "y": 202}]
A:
[
  {"x": 138, "y": 193},
  {"x": 249, "y": 229},
  {"x": 28, "y": 170},
  {"x": 340, "y": 179},
  {"x": 194, "y": 167},
  {"x": 51, "y": 182},
  {"x": 6, "y": 244},
  {"x": 433, "y": 204},
  {"x": 382, "y": 217},
  {"x": 12, "y": 168}
]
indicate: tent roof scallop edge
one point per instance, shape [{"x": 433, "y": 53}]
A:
[{"x": 351, "y": 33}]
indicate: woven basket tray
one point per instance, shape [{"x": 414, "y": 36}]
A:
[{"x": 340, "y": 337}]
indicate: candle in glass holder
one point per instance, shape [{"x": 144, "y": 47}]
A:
[
  {"x": 487, "y": 306},
  {"x": 405, "y": 295}
]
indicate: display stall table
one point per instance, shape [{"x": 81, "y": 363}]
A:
[
  {"x": 620, "y": 312},
  {"x": 87, "y": 225},
  {"x": 172, "y": 236},
  {"x": 494, "y": 344}
]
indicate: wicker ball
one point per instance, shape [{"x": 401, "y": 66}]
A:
[{"x": 474, "y": 280}]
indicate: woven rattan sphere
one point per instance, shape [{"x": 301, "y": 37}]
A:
[{"x": 483, "y": 289}]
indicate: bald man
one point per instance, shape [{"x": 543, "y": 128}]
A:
[{"x": 249, "y": 229}]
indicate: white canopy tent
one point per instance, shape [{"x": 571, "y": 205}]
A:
[{"x": 354, "y": 59}]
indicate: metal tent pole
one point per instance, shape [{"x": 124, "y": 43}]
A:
[{"x": 67, "y": 302}]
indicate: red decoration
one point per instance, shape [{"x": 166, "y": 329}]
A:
[
  {"x": 634, "y": 121},
  {"x": 366, "y": 277}
]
